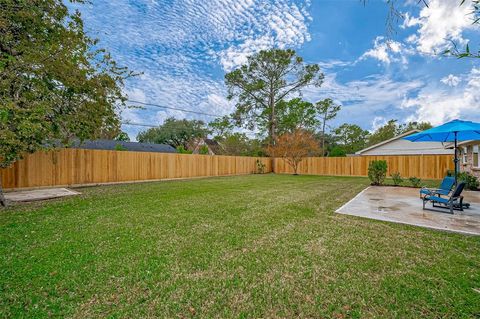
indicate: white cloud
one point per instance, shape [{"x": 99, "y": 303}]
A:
[
  {"x": 451, "y": 80},
  {"x": 224, "y": 31},
  {"x": 161, "y": 116},
  {"x": 438, "y": 24},
  {"x": 372, "y": 97},
  {"x": 330, "y": 64},
  {"x": 387, "y": 51},
  {"x": 378, "y": 122},
  {"x": 136, "y": 94},
  {"x": 186, "y": 91},
  {"x": 374, "y": 89},
  {"x": 280, "y": 24},
  {"x": 237, "y": 55},
  {"x": 438, "y": 105}
]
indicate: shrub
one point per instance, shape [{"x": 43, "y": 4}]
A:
[
  {"x": 377, "y": 171},
  {"x": 471, "y": 182},
  {"x": 397, "y": 178},
  {"x": 182, "y": 150},
  {"x": 260, "y": 167},
  {"x": 337, "y": 151},
  {"x": 120, "y": 147},
  {"x": 203, "y": 150},
  {"x": 415, "y": 181}
]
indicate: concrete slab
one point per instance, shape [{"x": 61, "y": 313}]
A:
[
  {"x": 403, "y": 205},
  {"x": 39, "y": 194}
]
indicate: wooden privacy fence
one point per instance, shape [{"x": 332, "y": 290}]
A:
[
  {"x": 80, "y": 167},
  {"x": 421, "y": 166}
]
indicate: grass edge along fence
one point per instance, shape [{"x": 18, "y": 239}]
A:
[
  {"x": 421, "y": 166},
  {"x": 74, "y": 167},
  {"x": 70, "y": 167}
]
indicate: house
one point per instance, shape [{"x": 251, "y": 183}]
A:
[
  {"x": 399, "y": 146},
  {"x": 124, "y": 146},
  {"x": 469, "y": 157},
  {"x": 202, "y": 145}
]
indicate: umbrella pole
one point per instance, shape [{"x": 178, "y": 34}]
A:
[{"x": 455, "y": 161}]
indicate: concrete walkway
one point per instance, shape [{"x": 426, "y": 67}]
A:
[
  {"x": 403, "y": 205},
  {"x": 39, "y": 194}
]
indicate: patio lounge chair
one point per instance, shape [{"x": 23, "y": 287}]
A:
[
  {"x": 444, "y": 188},
  {"x": 455, "y": 202}
]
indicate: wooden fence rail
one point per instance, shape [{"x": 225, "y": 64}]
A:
[
  {"x": 421, "y": 166},
  {"x": 69, "y": 167},
  {"x": 80, "y": 167}
]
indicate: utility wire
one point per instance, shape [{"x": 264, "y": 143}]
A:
[
  {"x": 139, "y": 124},
  {"x": 174, "y": 108},
  {"x": 149, "y": 125}
]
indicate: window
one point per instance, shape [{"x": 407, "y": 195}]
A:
[
  {"x": 464, "y": 155},
  {"x": 475, "y": 157}
]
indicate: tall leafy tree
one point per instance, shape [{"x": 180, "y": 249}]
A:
[
  {"x": 241, "y": 145},
  {"x": 330, "y": 143},
  {"x": 296, "y": 114},
  {"x": 421, "y": 126},
  {"x": 221, "y": 126},
  {"x": 267, "y": 78},
  {"x": 337, "y": 151},
  {"x": 177, "y": 133},
  {"x": 383, "y": 133},
  {"x": 55, "y": 84},
  {"x": 234, "y": 143},
  {"x": 350, "y": 138},
  {"x": 122, "y": 136},
  {"x": 328, "y": 111},
  {"x": 392, "y": 128}
]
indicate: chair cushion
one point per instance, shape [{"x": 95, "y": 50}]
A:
[
  {"x": 437, "y": 199},
  {"x": 447, "y": 183},
  {"x": 427, "y": 191},
  {"x": 443, "y": 192}
]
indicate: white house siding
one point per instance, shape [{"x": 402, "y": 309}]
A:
[{"x": 404, "y": 147}]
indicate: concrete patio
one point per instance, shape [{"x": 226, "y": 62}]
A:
[
  {"x": 39, "y": 194},
  {"x": 403, "y": 205}
]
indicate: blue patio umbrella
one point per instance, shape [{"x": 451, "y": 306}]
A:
[{"x": 453, "y": 131}]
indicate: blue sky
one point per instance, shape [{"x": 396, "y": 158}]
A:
[{"x": 184, "y": 48}]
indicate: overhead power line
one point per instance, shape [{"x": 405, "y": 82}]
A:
[
  {"x": 139, "y": 124},
  {"x": 150, "y": 125},
  {"x": 173, "y": 108}
]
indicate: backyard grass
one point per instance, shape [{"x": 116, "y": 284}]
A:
[{"x": 242, "y": 247}]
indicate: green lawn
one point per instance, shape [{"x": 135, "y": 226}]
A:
[{"x": 241, "y": 247}]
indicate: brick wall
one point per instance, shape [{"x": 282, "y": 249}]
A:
[{"x": 468, "y": 167}]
